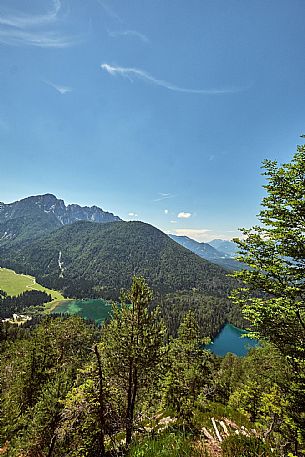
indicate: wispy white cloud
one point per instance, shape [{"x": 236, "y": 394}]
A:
[
  {"x": 109, "y": 11},
  {"x": 23, "y": 20},
  {"x": 163, "y": 196},
  {"x": 136, "y": 73},
  {"x": 132, "y": 214},
  {"x": 128, "y": 33},
  {"x": 184, "y": 215},
  {"x": 173, "y": 222},
  {"x": 39, "y": 39},
  {"x": 59, "y": 87},
  {"x": 166, "y": 211},
  {"x": 20, "y": 29}
]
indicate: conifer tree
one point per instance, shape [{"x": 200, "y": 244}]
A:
[
  {"x": 189, "y": 368},
  {"x": 132, "y": 347}
]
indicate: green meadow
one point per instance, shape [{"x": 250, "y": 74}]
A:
[{"x": 14, "y": 284}]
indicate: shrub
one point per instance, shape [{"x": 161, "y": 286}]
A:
[{"x": 245, "y": 446}]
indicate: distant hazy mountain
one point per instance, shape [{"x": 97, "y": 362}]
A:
[
  {"x": 228, "y": 247},
  {"x": 208, "y": 252},
  {"x": 32, "y": 216},
  {"x": 203, "y": 249}
]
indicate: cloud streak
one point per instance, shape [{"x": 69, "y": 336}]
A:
[
  {"x": 163, "y": 197},
  {"x": 38, "y": 39},
  {"x": 22, "y": 20},
  {"x": 128, "y": 33},
  {"x": 136, "y": 73},
  {"x": 20, "y": 29},
  {"x": 59, "y": 88},
  {"x": 109, "y": 11}
]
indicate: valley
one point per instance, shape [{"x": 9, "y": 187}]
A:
[
  {"x": 105, "y": 308},
  {"x": 93, "y": 258}
]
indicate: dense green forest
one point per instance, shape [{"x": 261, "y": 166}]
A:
[
  {"x": 211, "y": 312},
  {"x": 138, "y": 387},
  {"x": 70, "y": 388}
]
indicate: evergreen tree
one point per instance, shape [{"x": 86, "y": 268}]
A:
[
  {"x": 132, "y": 347},
  {"x": 189, "y": 368}
]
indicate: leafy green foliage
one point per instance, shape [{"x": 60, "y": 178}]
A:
[
  {"x": 24, "y": 228},
  {"x": 275, "y": 252},
  {"x": 274, "y": 287}
]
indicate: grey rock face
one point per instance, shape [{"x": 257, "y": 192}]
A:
[{"x": 55, "y": 208}]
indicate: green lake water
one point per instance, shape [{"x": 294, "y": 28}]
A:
[
  {"x": 95, "y": 309},
  {"x": 230, "y": 340}
]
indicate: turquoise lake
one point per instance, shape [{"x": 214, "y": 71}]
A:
[
  {"x": 96, "y": 309},
  {"x": 230, "y": 340}
]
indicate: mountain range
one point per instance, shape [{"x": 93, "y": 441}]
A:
[
  {"x": 33, "y": 216},
  {"x": 93, "y": 249},
  {"x": 210, "y": 251},
  {"x": 87, "y": 252},
  {"x": 93, "y": 259}
]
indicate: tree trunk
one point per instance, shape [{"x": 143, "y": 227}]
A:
[
  {"x": 129, "y": 404},
  {"x": 101, "y": 444},
  {"x": 132, "y": 393}
]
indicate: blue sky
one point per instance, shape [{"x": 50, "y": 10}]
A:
[{"x": 155, "y": 110}]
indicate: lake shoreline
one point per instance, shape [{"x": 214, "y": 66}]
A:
[{"x": 231, "y": 339}]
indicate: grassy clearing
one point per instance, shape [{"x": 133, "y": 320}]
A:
[{"x": 14, "y": 284}]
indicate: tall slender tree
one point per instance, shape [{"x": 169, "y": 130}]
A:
[
  {"x": 189, "y": 368},
  {"x": 132, "y": 346}
]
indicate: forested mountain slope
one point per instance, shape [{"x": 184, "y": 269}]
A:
[{"x": 91, "y": 259}]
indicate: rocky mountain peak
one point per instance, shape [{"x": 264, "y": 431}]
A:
[{"x": 50, "y": 204}]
